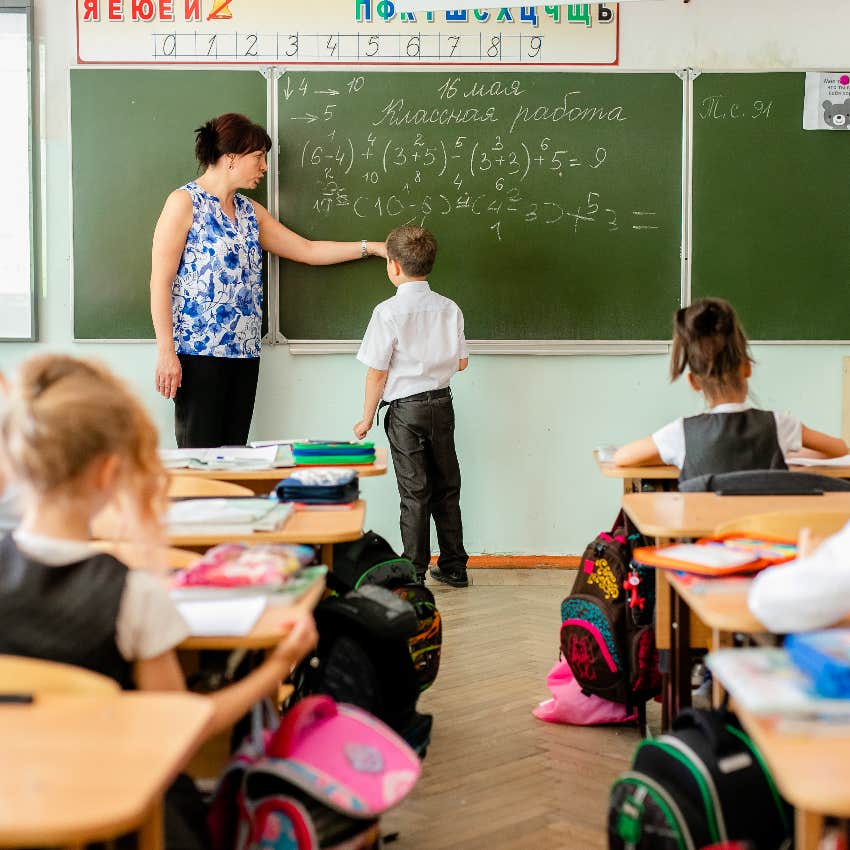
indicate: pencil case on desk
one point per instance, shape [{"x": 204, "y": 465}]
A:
[
  {"x": 824, "y": 656},
  {"x": 319, "y": 486}
]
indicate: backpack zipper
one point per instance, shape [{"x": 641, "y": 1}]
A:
[{"x": 717, "y": 824}]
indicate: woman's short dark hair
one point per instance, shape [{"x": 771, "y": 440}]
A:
[
  {"x": 414, "y": 248},
  {"x": 709, "y": 341},
  {"x": 229, "y": 133}
]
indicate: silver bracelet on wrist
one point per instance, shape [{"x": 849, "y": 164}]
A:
[{"x": 364, "y": 251}]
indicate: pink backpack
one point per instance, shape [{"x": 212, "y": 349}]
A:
[
  {"x": 570, "y": 705},
  {"x": 321, "y": 779}
]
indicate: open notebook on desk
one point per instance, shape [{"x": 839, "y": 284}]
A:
[
  {"x": 245, "y": 458},
  {"x": 216, "y": 611},
  {"x": 844, "y": 460},
  {"x": 233, "y": 515}
]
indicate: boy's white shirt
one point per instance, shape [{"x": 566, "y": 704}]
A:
[
  {"x": 808, "y": 593},
  {"x": 148, "y": 622},
  {"x": 417, "y": 338},
  {"x": 670, "y": 440}
]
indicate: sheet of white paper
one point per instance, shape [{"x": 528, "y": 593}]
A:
[
  {"x": 708, "y": 556},
  {"x": 844, "y": 460},
  {"x": 247, "y": 511},
  {"x": 235, "y": 616}
]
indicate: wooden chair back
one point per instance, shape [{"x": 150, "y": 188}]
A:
[
  {"x": 194, "y": 486},
  {"x": 20, "y": 675},
  {"x": 786, "y": 524}
]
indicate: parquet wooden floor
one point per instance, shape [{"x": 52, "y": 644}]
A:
[{"x": 495, "y": 777}]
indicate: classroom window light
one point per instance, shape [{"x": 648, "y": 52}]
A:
[{"x": 16, "y": 277}]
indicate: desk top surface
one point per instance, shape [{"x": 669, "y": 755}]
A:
[
  {"x": 89, "y": 768},
  {"x": 274, "y": 474},
  {"x": 698, "y": 514},
  {"x": 812, "y": 770},
  {"x": 724, "y": 607},
  {"x": 315, "y": 526},
  {"x": 666, "y": 472}
]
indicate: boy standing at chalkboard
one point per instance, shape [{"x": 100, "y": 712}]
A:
[{"x": 413, "y": 345}]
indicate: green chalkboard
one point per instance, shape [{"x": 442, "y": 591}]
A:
[
  {"x": 133, "y": 143},
  {"x": 555, "y": 197},
  {"x": 771, "y": 208}
]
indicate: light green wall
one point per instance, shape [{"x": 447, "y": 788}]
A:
[{"x": 526, "y": 425}]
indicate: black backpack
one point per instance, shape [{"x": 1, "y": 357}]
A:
[
  {"x": 363, "y": 658},
  {"x": 702, "y": 784},
  {"x": 371, "y": 560},
  {"x": 607, "y": 636}
]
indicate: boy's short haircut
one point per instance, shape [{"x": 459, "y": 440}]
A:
[{"x": 413, "y": 248}]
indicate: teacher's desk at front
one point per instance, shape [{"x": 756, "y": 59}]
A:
[{"x": 262, "y": 481}]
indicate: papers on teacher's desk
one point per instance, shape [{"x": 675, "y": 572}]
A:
[
  {"x": 226, "y": 516},
  {"x": 239, "y": 458}
]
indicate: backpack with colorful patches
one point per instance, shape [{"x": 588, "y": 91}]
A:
[
  {"x": 607, "y": 636},
  {"x": 322, "y": 779}
]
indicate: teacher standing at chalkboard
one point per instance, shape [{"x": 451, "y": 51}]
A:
[{"x": 206, "y": 283}]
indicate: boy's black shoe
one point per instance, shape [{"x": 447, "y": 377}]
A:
[
  {"x": 420, "y": 579},
  {"x": 453, "y": 579}
]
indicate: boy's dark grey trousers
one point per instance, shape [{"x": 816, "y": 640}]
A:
[{"x": 420, "y": 429}]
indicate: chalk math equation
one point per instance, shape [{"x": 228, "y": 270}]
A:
[{"x": 488, "y": 154}]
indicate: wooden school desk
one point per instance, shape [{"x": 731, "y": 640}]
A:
[
  {"x": 313, "y": 527},
  {"x": 671, "y": 516},
  {"x": 262, "y": 481},
  {"x": 91, "y": 768},
  {"x": 663, "y": 476},
  {"x": 811, "y": 767}
]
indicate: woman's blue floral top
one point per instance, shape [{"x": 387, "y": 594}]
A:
[{"x": 217, "y": 296}]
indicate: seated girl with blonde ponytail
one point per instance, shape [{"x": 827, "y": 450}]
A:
[
  {"x": 72, "y": 440},
  {"x": 709, "y": 343}
]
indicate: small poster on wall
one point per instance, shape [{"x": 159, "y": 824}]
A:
[{"x": 827, "y": 103}]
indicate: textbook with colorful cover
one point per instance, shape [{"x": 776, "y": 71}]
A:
[{"x": 718, "y": 556}]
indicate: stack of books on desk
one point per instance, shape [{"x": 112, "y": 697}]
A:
[
  {"x": 333, "y": 453},
  {"x": 233, "y": 515}
]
